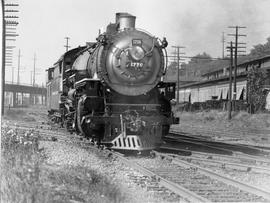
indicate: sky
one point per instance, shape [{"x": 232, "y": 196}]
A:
[{"x": 195, "y": 24}]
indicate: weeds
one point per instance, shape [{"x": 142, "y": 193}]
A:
[
  {"x": 20, "y": 165},
  {"x": 26, "y": 177},
  {"x": 19, "y": 114},
  {"x": 81, "y": 184}
]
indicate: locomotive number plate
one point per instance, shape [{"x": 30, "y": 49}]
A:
[{"x": 136, "y": 42}]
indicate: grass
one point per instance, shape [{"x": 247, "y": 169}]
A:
[
  {"x": 217, "y": 118},
  {"x": 25, "y": 176},
  {"x": 20, "y": 166},
  {"x": 19, "y": 114},
  {"x": 83, "y": 185}
]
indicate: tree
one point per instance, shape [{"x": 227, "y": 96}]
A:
[
  {"x": 261, "y": 49},
  {"x": 201, "y": 58},
  {"x": 171, "y": 72},
  {"x": 256, "y": 94}
]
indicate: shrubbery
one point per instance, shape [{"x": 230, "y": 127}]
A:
[
  {"x": 256, "y": 93},
  {"x": 27, "y": 177},
  {"x": 20, "y": 166}
]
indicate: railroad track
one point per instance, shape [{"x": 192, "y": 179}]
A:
[
  {"x": 253, "y": 170},
  {"x": 195, "y": 183},
  {"x": 192, "y": 142},
  {"x": 186, "y": 181},
  {"x": 228, "y": 131},
  {"x": 227, "y": 135},
  {"x": 234, "y": 158},
  {"x": 205, "y": 185}
]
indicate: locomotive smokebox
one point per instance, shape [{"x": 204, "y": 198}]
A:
[{"x": 125, "y": 21}]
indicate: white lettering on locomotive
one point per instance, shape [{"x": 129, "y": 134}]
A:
[{"x": 135, "y": 64}]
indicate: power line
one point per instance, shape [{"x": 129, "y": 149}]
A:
[{"x": 195, "y": 57}]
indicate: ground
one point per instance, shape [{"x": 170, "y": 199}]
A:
[
  {"x": 54, "y": 171},
  {"x": 243, "y": 128},
  {"x": 38, "y": 170}
]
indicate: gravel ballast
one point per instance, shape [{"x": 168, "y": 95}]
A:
[{"x": 61, "y": 156}]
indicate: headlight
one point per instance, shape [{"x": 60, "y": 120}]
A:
[{"x": 137, "y": 53}]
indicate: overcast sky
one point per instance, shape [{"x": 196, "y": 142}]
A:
[{"x": 195, "y": 24}]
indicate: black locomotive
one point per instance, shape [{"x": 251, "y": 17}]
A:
[{"x": 112, "y": 90}]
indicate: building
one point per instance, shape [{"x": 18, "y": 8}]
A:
[{"x": 215, "y": 84}]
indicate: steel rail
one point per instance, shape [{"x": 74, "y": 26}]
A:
[
  {"x": 209, "y": 173},
  {"x": 235, "y": 156},
  {"x": 254, "y": 158},
  {"x": 231, "y": 165},
  {"x": 183, "y": 192},
  {"x": 203, "y": 132},
  {"x": 238, "y": 155},
  {"x": 198, "y": 145},
  {"x": 235, "y": 131},
  {"x": 217, "y": 144},
  {"x": 193, "y": 197}
]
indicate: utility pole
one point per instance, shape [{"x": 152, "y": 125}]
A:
[
  {"x": 236, "y": 43},
  {"x": 7, "y": 25},
  {"x": 12, "y": 74},
  {"x": 34, "y": 72},
  {"x": 19, "y": 65},
  {"x": 230, "y": 84},
  {"x": 223, "y": 41},
  {"x": 3, "y": 57},
  {"x": 178, "y": 70},
  {"x": 67, "y": 38}
]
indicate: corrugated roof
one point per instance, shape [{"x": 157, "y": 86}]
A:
[{"x": 242, "y": 61}]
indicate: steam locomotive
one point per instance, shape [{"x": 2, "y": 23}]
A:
[{"x": 112, "y": 90}]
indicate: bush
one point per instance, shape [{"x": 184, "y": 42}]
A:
[{"x": 256, "y": 95}]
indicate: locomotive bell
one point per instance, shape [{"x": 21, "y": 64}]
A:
[{"x": 125, "y": 21}]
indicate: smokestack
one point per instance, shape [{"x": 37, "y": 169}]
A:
[{"x": 125, "y": 21}]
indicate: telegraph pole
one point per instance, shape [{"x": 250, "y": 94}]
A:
[
  {"x": 235, "y": 58},
  {"x": 3, "y": 57},
  {"x": 12, "y": 74},
  {"x": 34, "y": 72},
  {"x": 19, "y": 65},
  {"x": 7, "y": 35},
  {"x": 230, "y": 84},
  {"x": 223, "y": 41},
  {"x": 178, "y": 69},
  {"x": 67, "y": 38}
]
